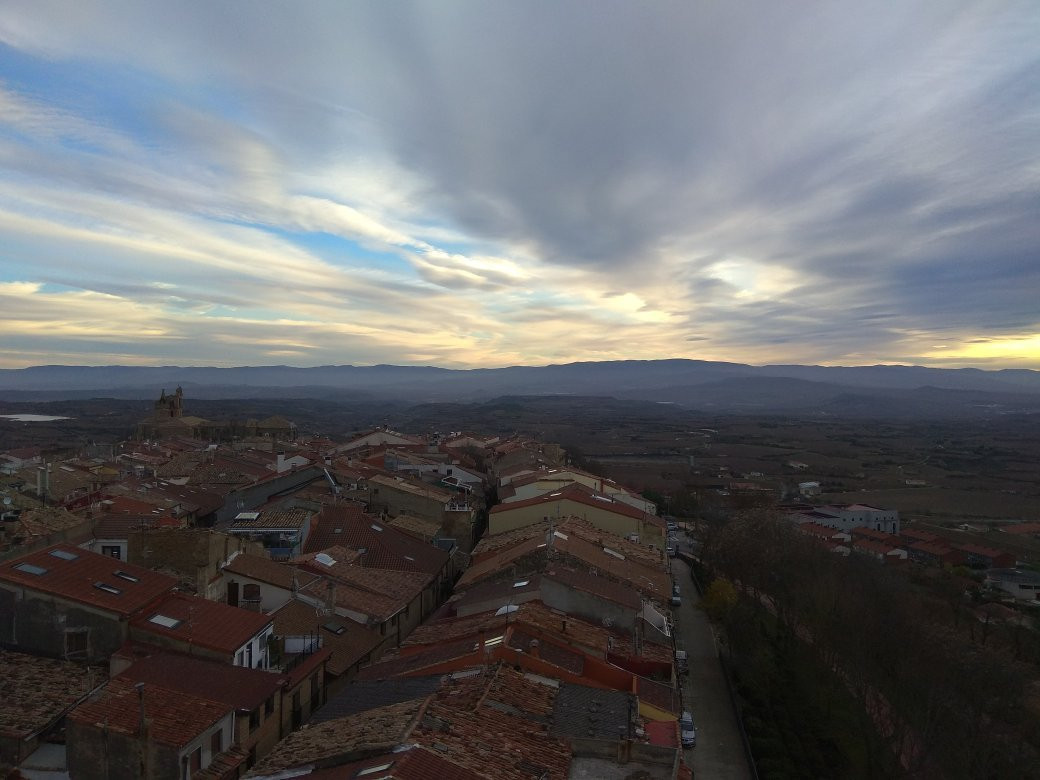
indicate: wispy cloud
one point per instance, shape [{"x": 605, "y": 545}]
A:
[{"x": 487, "y": 183}]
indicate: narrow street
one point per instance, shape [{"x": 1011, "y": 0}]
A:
[{"x": 719, "y": 754}]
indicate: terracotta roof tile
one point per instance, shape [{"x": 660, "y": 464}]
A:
[
  {"x": 345, "y": 739},
  {"x": 273, "y": 519},
  {"x": 387, "y": 591},
  {"x": 225, "y": 766},
  {"x": 175, "y": 718},
  {"x": 77, "y": 578},
  {"x": 205, "y": 623},
  {"x": 385, "y": 546},
  {"x": 499, "y": 744},
  {"x": 414, "y": 762},
  {"x": 263, "y": 569},
  {"x": 234, "y": 686},
  {"x": 423, "y": 489},
  {"x": 583, "y": 495},
  {"x": 35, "y": 691},
  {"x": 348, "y": 647},
  {"x": 421, "y": 661},
  {"x": 596, "y": 585},
  {"x": 417, "y": 527}
]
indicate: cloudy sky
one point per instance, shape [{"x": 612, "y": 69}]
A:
[{"x": 489, "y": 183}]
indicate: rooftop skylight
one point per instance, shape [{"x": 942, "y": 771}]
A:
[
  {"x": 367, "y": 772},
  {"x": 31, "y": 568},
  {"x": 125, "y": 575},
  {"x": 107, "y": 588},
  {"x": 65, "y": 555},
  {"x": 325, "y": 559},
  {"x": 164, "y": 620}
]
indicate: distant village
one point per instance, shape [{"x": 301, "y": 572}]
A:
[{"x": 200, "y": 602}]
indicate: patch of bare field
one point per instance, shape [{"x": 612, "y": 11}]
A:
[{"x": 944, "y": 502}]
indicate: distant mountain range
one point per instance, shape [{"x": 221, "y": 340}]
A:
[{"x": 708, "y": 386}]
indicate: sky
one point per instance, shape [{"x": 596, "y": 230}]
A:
[{"x": 481, "y": 184}]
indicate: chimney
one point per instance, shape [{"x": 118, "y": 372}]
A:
[
  {"x": 533, "y": 649},
  {"x": 330, "y": 596},
  {"x": 280, "y": 465},
  {"x": 140, "y": 698},
  {"x": 39, "y": 480}
]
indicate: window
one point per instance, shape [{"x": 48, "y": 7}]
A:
[
  {"x": 112, "y": 550},
  {"x": 65, "y": 555},
  {"x": 195, "y": 761},
  {"x": 164, "y": 621},
  {"x": 373, "y": 770},
  {"x": 254, "y": 719},
  {"x": 269, "y": 706},
  {"x": 315, "y": 690},
  {"x": 77, "y": 643},
  {"x": 251, "y": 592},
  {"x": 216, "y": 742},
  {"x": 30, "y": 568}
]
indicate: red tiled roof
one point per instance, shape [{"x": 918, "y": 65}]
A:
[
  {"x": 263, "y": 569},
  {"x": 377, "y": 592},
  {"x": 414, "y": 762},
  {"x": 566, "y": 629},
  {"x": 498, "y": 744},
  {"x": 76, "y": 579},
  {"x": 35, "y": 692},
  {"x": 377, "y": 730},
  {"x": 385, "y": 547},
  {"x": 871, "y": 545},
  {"x": 348, "y": 648},
  {"x": 234, "y": 686},
  {"x": 648, "y": 578},
  {"x": 205, "y": 623},
  {"x": 877, "y": 536},
  {"x": 580, "y": 494},
  {"x": 415, "y": 663},
  {"x": 175, "y": 718},
  {"x": 932, "y": 548}
]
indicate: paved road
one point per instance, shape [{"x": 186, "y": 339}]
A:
[{"x": 719, "y": 754}]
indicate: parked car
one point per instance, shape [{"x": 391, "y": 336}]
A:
[
  {"x": 676, "y": 600},
  {"x": 682, "y": 661},
  {"x": 687, "y": 731}
]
